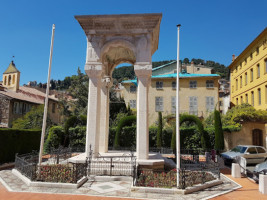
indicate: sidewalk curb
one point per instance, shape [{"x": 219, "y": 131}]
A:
[{"x": 225, "y": 192}]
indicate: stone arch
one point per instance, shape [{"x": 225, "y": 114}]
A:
[
  {"x": 9, "y": 80},
  {"x": 115, "y": 52}
]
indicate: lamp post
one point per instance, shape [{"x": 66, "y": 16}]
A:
[
  {"x": 46, "y": 97},
  {"x": 178, "y": 164}
]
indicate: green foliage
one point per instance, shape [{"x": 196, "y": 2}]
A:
[
  {"x": 79, "y": 90},
  {"x": 18, "y": 141},
  {"x": 111, "y": 137},
  {"x": 122, "y": 73},
  {"x": 72, "y": 122},
  {"x": 116, "y": 106},
  {"x": 126, "y": 121},
  {"x": 32, "y": 119},
  {"x": 55, "y": 138},
  {"x": 159, "y": 132},
  {"x": 153, "y": 136},
  {"x": 77, "y": 136},
  {"x": 128, "y": 136},
  {"x": 243, "y": 113},
  {"x": 204, "y": 136},
  {"x": 173, "y": 140},
  {"x": 219, "y": 139}
]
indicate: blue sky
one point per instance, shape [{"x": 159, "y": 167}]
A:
[{"x": 211, "y": 30}]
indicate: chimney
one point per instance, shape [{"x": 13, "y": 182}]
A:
[{"x": 233, "y": 57}]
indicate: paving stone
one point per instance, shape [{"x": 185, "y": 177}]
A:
[{"x": 112, "y": 188}]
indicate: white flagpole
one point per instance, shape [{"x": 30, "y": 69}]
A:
[
  {"x": 178, "y": 165},
  {"x": 46, "y": 97}
]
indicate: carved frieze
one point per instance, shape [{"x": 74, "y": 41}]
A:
[{"x": 93, "y": 69}]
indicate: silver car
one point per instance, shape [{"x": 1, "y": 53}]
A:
[{"x": 253, "y": 154}]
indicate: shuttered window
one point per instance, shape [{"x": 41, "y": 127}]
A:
[
  {"x": 159, "y": 104},
  {"x": 210, "y": 104},
  {"x": 133, "y": 104},
  {"x": 193, "y": 109}
]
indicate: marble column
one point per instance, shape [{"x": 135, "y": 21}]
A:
[
  {"x": 143, "y": 72},
  {"x": 94, "y": 71},
  {"x": 104, "y": 114}
]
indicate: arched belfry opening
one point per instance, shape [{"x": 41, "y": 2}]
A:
[{"x": 112, "y": 40}]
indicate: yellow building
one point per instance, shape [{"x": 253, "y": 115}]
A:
[
  {"x": 198, "y": 93},
  {"x": 249, "y": 74}
]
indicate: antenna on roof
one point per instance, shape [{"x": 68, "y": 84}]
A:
[{"x": 12, "y": 59}]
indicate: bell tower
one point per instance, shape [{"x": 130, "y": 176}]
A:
[{"x": 11, "y": 77}]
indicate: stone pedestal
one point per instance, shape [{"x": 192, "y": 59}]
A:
[
  {"x": 263, "y": 184},
  {"x": 236, "y": 171}
]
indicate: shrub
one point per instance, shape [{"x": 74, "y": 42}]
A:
[
  {"x": 18, "y": 141},
  {"x": 71, "y": 122},
  {"x": 159, "y": 132},
  {"x": 32, "y": 119},
  {"x": 197, "y": 121},
  {"x": 77, "y": 136},
  {"x": 55, "y": 138},
  {"x": 153, "y": 136},
  {"x": 243, "y": 113},
  {"x": 219, "y": 139},
  {"x": 126, "y": 121}
]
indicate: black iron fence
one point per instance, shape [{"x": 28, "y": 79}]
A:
[
  {"x": 56, "y": 168},
  {"x": 50, "y": 170},
  {"x": 195, "y": 169},
  {"x": 112, "y": 166}
]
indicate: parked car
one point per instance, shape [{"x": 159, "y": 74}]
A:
[
  {"x": 253, "y": 154},
  {"x": 260, "y": 169}
]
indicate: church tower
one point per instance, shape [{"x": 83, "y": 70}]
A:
[{"x": 11, "y": 77}]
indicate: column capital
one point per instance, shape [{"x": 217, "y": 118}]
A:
[
  {"x": 107, "y": 81},
  {"x": 143, "y": 69},
  {"x": 93, "y": 69}
]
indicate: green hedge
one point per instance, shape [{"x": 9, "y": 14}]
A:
[
  {"x": 77, "y": 136},
  {"x": 126, "y": 121},
  {"x": 20, "y": 141}
]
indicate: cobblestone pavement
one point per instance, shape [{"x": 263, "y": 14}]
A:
[{"x": 109, "y": 189}]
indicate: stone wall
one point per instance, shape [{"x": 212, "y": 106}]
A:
[{"x": 244, "y": 136}]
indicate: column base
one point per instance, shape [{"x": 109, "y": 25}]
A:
[{"x": 151, "y": 164}]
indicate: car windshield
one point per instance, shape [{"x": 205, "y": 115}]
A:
[{"x": 239, "y": 149}]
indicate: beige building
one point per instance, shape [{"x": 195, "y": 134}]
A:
[
  {"x": 198, "y": 92},
  {"x": 16, "y": 101}
]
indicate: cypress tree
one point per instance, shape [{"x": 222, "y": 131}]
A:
[
  {"x": 219, "y": 138},
  {"x": 159, "y": 132}
]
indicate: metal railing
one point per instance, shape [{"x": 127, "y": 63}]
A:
[
  {"x": 112, "y": 165},
  {"x": 195, "y": 169}
]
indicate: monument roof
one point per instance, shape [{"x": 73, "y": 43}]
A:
[
  {"x": 11, "y": 68},
  {"x": 122, "y": 24}
]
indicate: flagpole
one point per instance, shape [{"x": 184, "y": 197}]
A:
[
  {"x": 178, "y": 164},
  {"x": 46, "y": 97}
]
